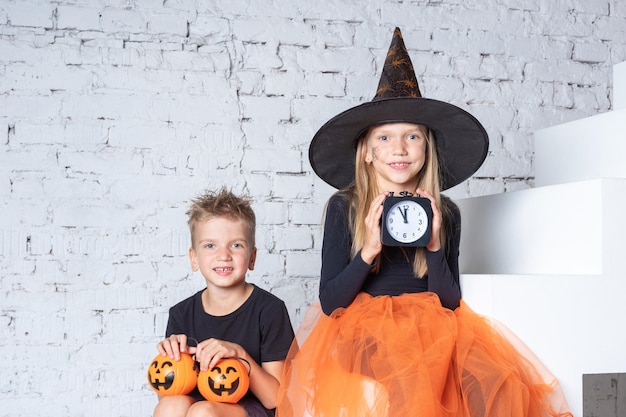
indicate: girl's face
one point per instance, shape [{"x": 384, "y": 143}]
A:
[{"x": 397, "y": 152}]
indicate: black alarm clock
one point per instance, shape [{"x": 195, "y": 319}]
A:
[{"x": 406, "y": 220}]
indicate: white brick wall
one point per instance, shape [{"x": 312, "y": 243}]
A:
[{"x": 113, "y": 114}]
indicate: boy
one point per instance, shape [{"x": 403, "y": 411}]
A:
[{"x": 230, "y": 317}]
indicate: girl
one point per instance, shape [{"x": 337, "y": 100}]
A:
[{"x": 393, "y": 337}]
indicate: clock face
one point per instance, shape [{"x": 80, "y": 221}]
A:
[{"x": 406, "y": 221}]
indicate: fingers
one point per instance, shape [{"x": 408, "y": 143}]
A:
[
  {"x": 433, "y": 203},
  {"x": 426, "y": 194},
  {"x": 207, "y": 353},
  {"x": 211, "y": 351},
  {"x": 173, "y": 346},
  {"x": 373, "y": 245},
  {"x": 434, "y": 244},
  {"x": 372, "y": 220}
]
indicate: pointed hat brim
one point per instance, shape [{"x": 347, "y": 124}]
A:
[{"x": 461, "y": 140}]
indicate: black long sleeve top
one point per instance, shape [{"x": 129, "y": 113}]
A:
[{"x": 343, "y": 278}]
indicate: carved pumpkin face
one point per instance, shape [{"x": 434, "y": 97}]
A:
[
  {"x": 227, "y": 382},
  {"x": 169, "y": 377}
]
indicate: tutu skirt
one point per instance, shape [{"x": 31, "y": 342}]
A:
[{"x": 408, "y": 356}]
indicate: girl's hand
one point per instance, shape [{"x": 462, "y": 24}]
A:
[
  {"x": 435, "y": 244},
  {"x": 173, "y": 346},
  {"x": 210, "y": 351},
  {"x": 373, "y": 244}
]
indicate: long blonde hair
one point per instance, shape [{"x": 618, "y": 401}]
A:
[{"x": 365, "y": 189}]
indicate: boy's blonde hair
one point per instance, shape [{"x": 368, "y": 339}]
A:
[{"x": 222, "y": 203}]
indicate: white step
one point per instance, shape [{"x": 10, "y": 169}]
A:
[
  {"x": 590, "y": 148},
  {"x": 549, "y": 263},
  {"x": 572, "y": 323}
]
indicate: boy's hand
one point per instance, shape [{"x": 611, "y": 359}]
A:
[
  {"x": 210, "y": 351},
  {"x": 173, "y": 346}
]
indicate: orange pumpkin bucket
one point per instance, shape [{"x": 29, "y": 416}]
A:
[
  {"x": 170, "y": 377},
  {"x": 227, "y": 382}
]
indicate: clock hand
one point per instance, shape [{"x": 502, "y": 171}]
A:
[{"x": 404, "y": 214}]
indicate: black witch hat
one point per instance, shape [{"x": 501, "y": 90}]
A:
[{"x": 460, "y": 139}]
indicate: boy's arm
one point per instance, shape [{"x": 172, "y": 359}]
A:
[
  {"x": 264, "y": 381},
  {"x": 277, "y": 338}
]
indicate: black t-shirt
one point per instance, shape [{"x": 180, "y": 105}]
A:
[
  {"x": 343, "y": 278},
  {"x": 261, "y": 325}
]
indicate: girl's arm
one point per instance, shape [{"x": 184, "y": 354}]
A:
[
  {"x": 443, "y": 266},
  {"x": 341, "y": 278}
]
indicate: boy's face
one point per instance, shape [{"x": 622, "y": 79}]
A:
[{"x": 222, "y": 252}]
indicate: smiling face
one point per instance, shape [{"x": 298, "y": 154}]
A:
[
  {"x": 397, "y": 153},
  {"x": 169, "y": 377},
  {"x": 222, "y": 251},
  {"x": 228, "y": 381}
]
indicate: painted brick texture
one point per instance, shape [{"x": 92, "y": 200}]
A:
[{"x": 114, "y": 114}]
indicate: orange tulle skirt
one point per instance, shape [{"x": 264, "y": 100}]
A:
[{"x": 408, "y": 356}]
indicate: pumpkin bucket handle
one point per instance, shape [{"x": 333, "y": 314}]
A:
[{"x": 246, "y": 362}]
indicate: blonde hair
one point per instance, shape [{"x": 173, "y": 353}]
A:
[
  {"x": 222, "y": 203},
  {"x": 365, "y": 189}
]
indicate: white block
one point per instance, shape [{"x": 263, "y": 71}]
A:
[
  {"x": 547, "y": 230},
  {"x": 619, "y": 86},
  {"x": 585, "y": 149}
]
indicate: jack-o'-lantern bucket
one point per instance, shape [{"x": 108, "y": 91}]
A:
[
  {"x": 169, "y": 377},
  {"x": 227, "y": 382}
]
